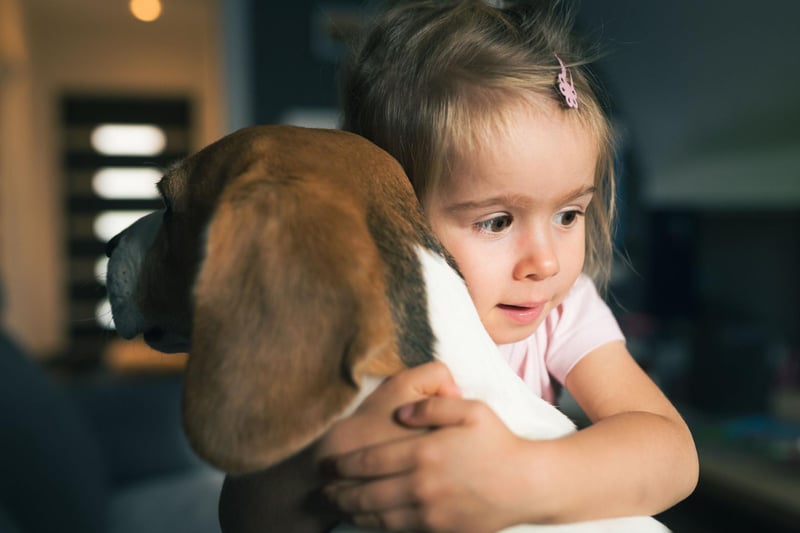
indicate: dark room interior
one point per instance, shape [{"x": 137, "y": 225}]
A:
[{"x": 706, "y": 285}]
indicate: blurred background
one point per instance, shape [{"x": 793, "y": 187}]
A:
[{"x": 95, "y": 101}]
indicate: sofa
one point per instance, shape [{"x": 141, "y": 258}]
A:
[{"x": 97, "y": 453}]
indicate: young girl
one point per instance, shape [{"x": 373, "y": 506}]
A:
[{"x": 501, "y": 133}]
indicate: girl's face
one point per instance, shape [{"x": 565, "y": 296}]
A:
[{"x": 512, "y": 216}]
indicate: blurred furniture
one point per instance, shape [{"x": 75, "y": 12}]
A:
[{"x": 100, "y": 453}]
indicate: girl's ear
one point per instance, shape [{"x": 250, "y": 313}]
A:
[{"x": 289, "y": 312}]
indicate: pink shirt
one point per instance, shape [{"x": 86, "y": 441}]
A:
[{"x": 580, "y": 324}]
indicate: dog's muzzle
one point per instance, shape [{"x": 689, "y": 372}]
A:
[{"x": 126, "y": 253}]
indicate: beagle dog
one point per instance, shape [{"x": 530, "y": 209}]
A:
[{"x": 297, "y": 268}]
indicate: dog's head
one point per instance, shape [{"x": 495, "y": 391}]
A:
[{"x": 262, "y": 265}]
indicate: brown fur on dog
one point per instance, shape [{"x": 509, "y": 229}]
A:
[{"x": 302, "y": 281}]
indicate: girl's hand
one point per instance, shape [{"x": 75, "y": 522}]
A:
[
  {"x": 279, "y": 496},
  {"x": 374, "y": 420},
  {"x": 462, "y": 477}
]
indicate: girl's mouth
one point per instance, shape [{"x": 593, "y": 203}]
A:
[{"x": 522, "y": 314}]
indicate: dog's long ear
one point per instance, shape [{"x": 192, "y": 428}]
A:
[{"x": 290, "y": 311}]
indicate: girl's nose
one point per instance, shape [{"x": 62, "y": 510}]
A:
[{"x": 537, "y": 258}]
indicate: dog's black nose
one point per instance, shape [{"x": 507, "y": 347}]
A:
[{"x": 112, "y": 244}]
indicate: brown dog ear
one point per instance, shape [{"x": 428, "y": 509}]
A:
[{"x": 289, "y": 312}]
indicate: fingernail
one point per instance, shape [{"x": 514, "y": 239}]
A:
[{"x": 404, "y": 412}]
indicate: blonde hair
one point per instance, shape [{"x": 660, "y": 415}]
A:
[{"x": 431, "y": 80}]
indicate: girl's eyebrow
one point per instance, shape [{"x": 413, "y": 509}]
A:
[
  {"x": 580, "y": 192},
  {"x": 517, "y": 200},
  {"x": 485, "y": 203}
]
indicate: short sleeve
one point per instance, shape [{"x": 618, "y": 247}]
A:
[{"x": 580, "y": 324}]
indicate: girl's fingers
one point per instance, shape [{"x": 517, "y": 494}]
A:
[
  {"x": 373, "y": 421},
  {"x": 372, "y": 497},
  {"x": 402, "y": 455},
  {"x": 441, "y": 412},
  {"x": 430, "y": 379},
  {"x": 387, "y": 504},
  {"x": 389, "y": 459},
  {"x": 400, "y": 519}
]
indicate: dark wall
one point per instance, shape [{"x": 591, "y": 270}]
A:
[{"x": 294, "y": 57}]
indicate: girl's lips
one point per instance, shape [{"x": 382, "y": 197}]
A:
[{"x": 520, "y": 314}]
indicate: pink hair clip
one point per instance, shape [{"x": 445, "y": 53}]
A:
[{"x": 567, "y": 88}]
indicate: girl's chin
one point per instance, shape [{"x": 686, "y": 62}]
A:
[{"x": 511, "y": 335}]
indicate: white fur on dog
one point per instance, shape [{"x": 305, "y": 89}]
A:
[{"x": 465, "y": 347}]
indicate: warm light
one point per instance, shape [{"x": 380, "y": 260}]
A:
[
  {"x": 128, "y": 139},
  {"x": 126, "y": 182},
  {"x": 109, "y": 223},
  {"x": 102, "y": 314},
  {"x": 145, "y": 10}
]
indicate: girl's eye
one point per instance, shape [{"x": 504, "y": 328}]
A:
[
  {"x": 568, "y": 219},
  {"x": 496, "y": 224}
]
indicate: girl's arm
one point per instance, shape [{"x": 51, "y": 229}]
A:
[
  {"x": 638, "y": 458},
  {"x": 643, "y": 458}
]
